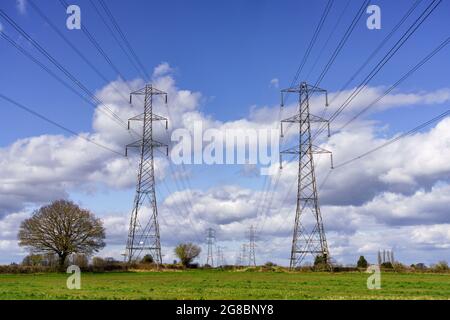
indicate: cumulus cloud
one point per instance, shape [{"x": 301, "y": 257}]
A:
[
  {"x": 405, "y": 166},
  {"x": 39, "y": 169},
  {"x": 162, "y": 69},
  {"x": 274, "y": 83},
  {"x": 403, "y": 187}
]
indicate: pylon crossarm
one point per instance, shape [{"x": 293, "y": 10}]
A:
[
  {"x": 293, "y": 119},
  {"x": 140, "y": 117},
  {"x": 147, "y": 142},
  {"x": 314, "y": 150},
  {"x": 148, "y": 90},
  {"x": 293, "y": 150},
  {"x": 303, "y": 87},
  {"x": 319, "y": 150},
  {"x": 315, "y": 119}
]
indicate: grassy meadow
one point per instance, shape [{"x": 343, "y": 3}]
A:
[{"x": 216, "y": 284}]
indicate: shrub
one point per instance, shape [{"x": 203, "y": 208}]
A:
[
  {"x": 362, "y": 262},
  {"x": 419, "y": 266},
  {"x": 147, "y": 259},
  {"x": 321, "y": 263},
  {"x": 80, "y": 260},
  {"x": 98, "y": 264},
  {"x": 15, "y": 269},
  {"x": 387, "y": 265},
  {"x": 441, "y": 266}
]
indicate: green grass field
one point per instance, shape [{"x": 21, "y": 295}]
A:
[{"x": 204, "y": 284}]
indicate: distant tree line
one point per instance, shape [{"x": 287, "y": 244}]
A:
[{"x": 62, "y": 234}]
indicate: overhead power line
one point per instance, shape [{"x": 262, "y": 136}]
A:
[
  {"x": 373, "y": 54},
  {"x": 124, "y": 38},
  {"x": 130, "y": 59},
  {"x": 333, "y": 30},
  {"x": 342, "y": 42},
  {"x": 387, "y": 57},
  {"x": 44, "y": 67},
  {"x": 378, "y": 48},
  {"x": 398, "y": 82},
  {"x": 56, "y": 124},
  {"x": 267, "y": 203},
  {"x": 312, "y": 41},
  {"x": 178, "y": 179},
  {"x": 95, "y": 43},
  {"x": 404, "y": 135},
  {"x": 104, "y": 108},
  {"x": 75, "y": 48}
]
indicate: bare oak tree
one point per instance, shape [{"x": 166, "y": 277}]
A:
[{"x": 62, "y": 228}]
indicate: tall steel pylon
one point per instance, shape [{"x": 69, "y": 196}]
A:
[
  {"x": 210, "y": 239},
  {"x": 143, "y": 235},
  {"x": 308, "y": 238},
  {"x": 251, "y": 247}
]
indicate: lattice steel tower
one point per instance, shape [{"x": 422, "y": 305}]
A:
[
  {"x": 251, "y": 247},
  {"x": 143, "y": 235},
  {"x": 210, "y": 239},
  {"x": 244, "y": 254},
  {"x": 308, "y": 237},
  {"x": 220, "y": 260}
]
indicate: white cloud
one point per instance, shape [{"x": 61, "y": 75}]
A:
[
  {"x": 162, "y": 70},
  {"x": 437, "y": 236},
  {"x": 40, "y": 169},
  {"x": 405, "y": 166},
  {"x": 10, "y": 224},
  {"x": 422, "y": 207},
  {"x": 274, "y": 83},
  {"x": 368, "y": 95},
  {"x": 394, "y": 189}
]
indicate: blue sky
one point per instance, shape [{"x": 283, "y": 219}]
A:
[{"x": 229, "y": 51}]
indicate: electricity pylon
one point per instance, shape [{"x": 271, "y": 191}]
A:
[
  {"x": 244, "y": 254},
  {"x": 251, "y": 247},
  {"x": 143, "y": 235},
  {"x": 220, "y": 261},
  {"x": 306, "y": 239},
  {"x": 210, "y": 239},
  {"x": 238, "y": 258}
]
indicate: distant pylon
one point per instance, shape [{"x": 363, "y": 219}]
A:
[
  {"x": 306, "y": 239},
  {"x": 251, "y": 247},
  {"x": 244, "y": 254},
  {"x": 210, "y": 239},
  {"x": 220, "y": 261},
  {"x": 143, "y": 234},
  {"x": 238, "y": 258}
]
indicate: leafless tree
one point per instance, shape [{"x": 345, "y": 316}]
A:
[{"x": 62, "y": 228}]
